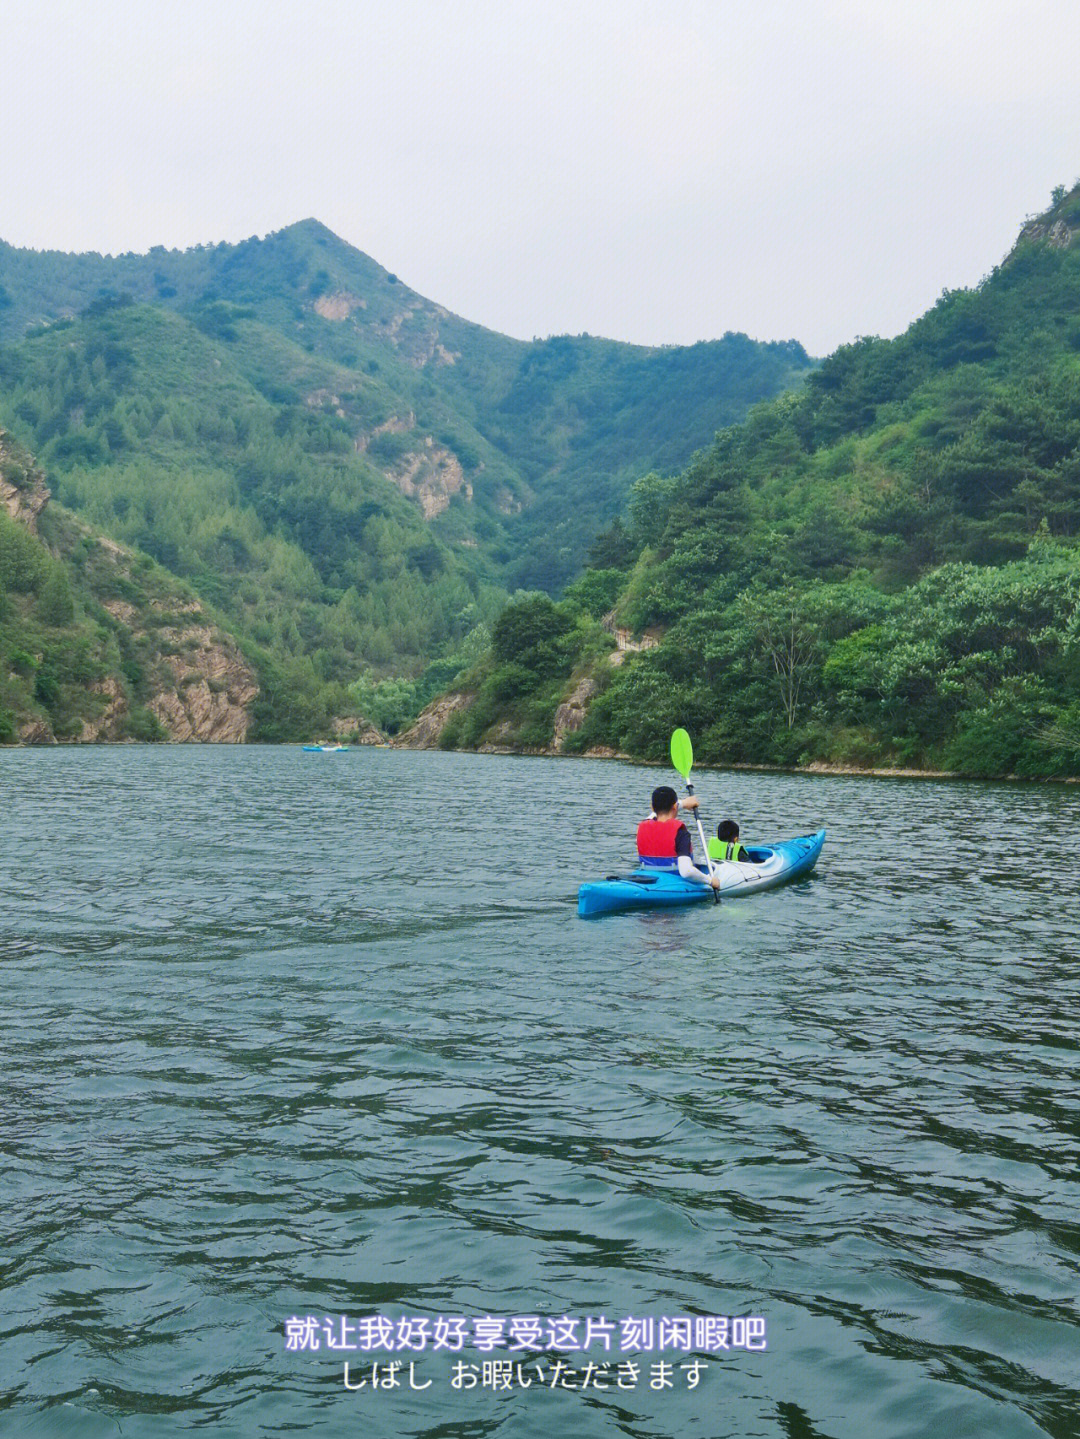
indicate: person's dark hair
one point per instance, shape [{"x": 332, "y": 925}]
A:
[
  {"x": 664, "y": 799},
  {"x": 727, "y": 830}
]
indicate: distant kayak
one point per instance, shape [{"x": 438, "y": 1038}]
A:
[
  {"x": 768, "y": 866},
  {"x": 325, "y": 748}
]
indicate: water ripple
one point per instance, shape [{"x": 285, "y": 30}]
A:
[{"x": 276, "y": 1041}]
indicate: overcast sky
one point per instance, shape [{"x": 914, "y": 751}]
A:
[{"x": 654, "y": 170}]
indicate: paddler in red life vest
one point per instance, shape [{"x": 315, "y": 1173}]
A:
[{"x": 663, "y": 841}]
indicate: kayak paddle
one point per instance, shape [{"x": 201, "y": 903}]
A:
[{"x": 682, "y": 757}]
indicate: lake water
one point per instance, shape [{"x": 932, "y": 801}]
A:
[{"x": 289, "y": 1035}]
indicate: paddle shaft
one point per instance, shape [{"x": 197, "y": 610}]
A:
[{"x": 704, "y": 846}]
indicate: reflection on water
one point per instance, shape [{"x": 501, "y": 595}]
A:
[{"x": 287, "y": 1034}]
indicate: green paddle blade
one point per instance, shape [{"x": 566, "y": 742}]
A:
[{"x": 682, "y": 753}]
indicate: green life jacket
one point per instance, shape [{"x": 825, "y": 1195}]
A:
[{"x": 727, "y": 849}]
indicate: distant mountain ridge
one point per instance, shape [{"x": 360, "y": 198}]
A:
[
  {"x": 349, "y": 475},
  {"x": 547, "y": 435}
]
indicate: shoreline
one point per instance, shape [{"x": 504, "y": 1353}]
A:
[{"x": 815, "y": 769}]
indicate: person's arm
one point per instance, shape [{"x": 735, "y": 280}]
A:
[
  {"x": 684, "y": 854},
  {"x": 690, "y": 802},
  {"x": 689, "y": 870}
]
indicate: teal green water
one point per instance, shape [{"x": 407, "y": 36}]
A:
[{"x": 289, "y": 1034}]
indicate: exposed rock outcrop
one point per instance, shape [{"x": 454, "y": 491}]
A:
[
  {"x": 432, "y": 477},
  {"x": 429, "y": 473},
  {"x": 36, "y": 731},
  {"x": 395, "y": 425},
  {"x": 108, "y": 725},
  {"x": 23, "y": 491},
  {"x": 1057, "y": 227},
  {"x": 356, "y": 730},
  {"x": 570, "y": 715},
  {"x": 414, "y": 333},
  {"x": 325, "y": 400},
  {"x": 214, "y": 685},
  {"x": 625, "y": 640},
  {"x": 1058, "y": 235},
  {"x": 338, "y": 306},
  {"x": 200, "y": 686},
  {"x": 501, "y": 738},
  {"x": 429, "y": 725}
]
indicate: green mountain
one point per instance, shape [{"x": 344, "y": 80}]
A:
[
  {"x": 524, "y": 449},
  {"x": 880, "y": 568},
  {"x": 351, "y": 476}
]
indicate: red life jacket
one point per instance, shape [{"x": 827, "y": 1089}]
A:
[{"x": 656, "y": 842}]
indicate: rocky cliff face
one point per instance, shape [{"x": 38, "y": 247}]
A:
[
  {"x": 213, "y": 691},
  {"x": 424, "y": 734},
  {"x": 431, "y": 476},
  {"x": 202, "y": 687},
  {"x": 570, "y": 715},
  {"x": 1056, "y": 233},
  {"x": 1058, "y": 227},
  {"x": 196, "y": 683},
  {"x": 109, "y": 724}
]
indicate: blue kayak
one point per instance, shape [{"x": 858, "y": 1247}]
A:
[{"x": 768, "y": 866}]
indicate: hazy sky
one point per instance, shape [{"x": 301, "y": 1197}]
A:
[{"x": 658, "y": 172}]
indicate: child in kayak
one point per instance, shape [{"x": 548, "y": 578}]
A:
[
  {"x": 726, "y": 844},
  {"x": 663, "y": 840}
]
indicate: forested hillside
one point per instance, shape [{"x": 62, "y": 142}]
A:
[
  {"x": 352, "y": 477},
  {"x": 97, "y": 642},
  {"x": 882, "y": 568},
  {"x": 518, "y": 451}
]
